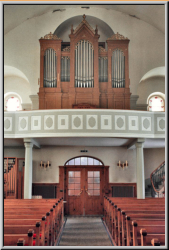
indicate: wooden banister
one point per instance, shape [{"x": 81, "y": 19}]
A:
[{"x": 157, "y": 191}]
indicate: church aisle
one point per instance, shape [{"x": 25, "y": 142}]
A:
[{"x": 84, "y": 231}]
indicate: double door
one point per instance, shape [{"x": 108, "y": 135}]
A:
[{"x": 84, "y": 188}]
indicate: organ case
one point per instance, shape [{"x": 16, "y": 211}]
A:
[{"x": 84, "y": 73}]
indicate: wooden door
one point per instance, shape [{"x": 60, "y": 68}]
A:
[
  {"x": 94, "y": 191},
  {"x": 84, "y": 190},
  {"x": 74, "y": 191}
]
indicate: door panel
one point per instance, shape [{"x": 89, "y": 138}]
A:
[
  {"x": 93, "y": 195},
  {"x": 74, "y": 191}
]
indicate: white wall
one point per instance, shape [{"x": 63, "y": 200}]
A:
[
  {"x": 152, "y": 159},
  {"x": 109, "y": 155},
  {"x": 145, "y": 88},
  {"x": 14, "y": 152},
  {"x": 19, "y": 86},
  {"x": 146, "y": 47}
]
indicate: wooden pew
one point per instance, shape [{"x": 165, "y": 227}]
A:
[
  {"x": 138, "y": 207},
  {"x": 138, "y": 227},
  {"x": 146, "y": 239},
  {"x": 11, "y": 239},
  {"x": 54, "y": 222}
]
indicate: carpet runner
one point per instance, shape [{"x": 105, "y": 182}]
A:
[{"x": 84, "y": 231}]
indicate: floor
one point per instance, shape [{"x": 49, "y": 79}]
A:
[{"x": 84, "y": 231}]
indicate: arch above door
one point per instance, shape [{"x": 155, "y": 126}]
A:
[{"x": 83, "y": 186}]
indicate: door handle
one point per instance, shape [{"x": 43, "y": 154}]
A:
[
  {"x": 87, "y": 192},
  {"x": 80, "y": 192}
]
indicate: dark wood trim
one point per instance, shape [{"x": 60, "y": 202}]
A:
[
  {"x": 34, "y": 185},
  {"x": 39, "y": 183},
  {"x": 124, "y": 184}
]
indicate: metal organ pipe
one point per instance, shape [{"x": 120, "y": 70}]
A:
[
  {"x": 50, "y": 64},
  {"x": 84, "y": 64},
  {"x": 89, "y": 65},
  {"x": 118, "y": 69}
]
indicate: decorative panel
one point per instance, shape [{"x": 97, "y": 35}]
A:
[
  {"x": 77, "y": 122},
  {"x": 84, "y": 122},
  {"x": 133, "y": 122},
  {"x": 119, "y": 122},
  {"x": 35, "y": 122},
  {"x": 23, "y": 123},
  {"x": 160, "y": 123},
  {"x": 91, "y": 122},
  {"x": 49, "y": 122},
  {"x": 63, "y": 122},
  {"x": 146, "y": 123},
  {"x": 106, "y": 122},
  {"x": 7, "y": 123}
]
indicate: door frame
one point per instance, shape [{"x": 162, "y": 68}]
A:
[{"x": 62, "y": 180}]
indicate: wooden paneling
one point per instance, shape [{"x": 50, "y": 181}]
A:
[
  {"x": 46, "y": 190},
  {"x": 122, "y": 187}
]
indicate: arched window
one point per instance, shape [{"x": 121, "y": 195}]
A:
[
  {"x": 12, "y": 102},
  {"x": 156, "y": 103},
  {"x": 84, "y": 160}
]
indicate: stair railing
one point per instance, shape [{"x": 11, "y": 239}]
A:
[{"x": 156, "y": 177}]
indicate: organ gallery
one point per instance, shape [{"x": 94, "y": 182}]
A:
[{"x": 84, "y": 73}]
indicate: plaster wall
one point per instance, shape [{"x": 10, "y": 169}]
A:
[
  {"x": 149, "y": 86},
  {"x": 14, "y": 152},
  {"x": 152, "y": 159},
  {"x": 18, "y": 85},
  {"x": 59, "y": 155},
  {"x": 109, "y": 155},
  {"x": 146, "y": 48}
]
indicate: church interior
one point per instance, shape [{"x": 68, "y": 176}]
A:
[{"x": 84, "y": 124}]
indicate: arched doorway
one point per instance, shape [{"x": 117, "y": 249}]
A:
[{"x": 84, "y": 181}]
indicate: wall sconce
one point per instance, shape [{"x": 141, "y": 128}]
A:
[
  {"x": 45, "y": 165},
  {"x": 122, "y": 165}
]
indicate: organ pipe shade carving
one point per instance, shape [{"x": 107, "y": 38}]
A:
[
  {"x": 65, "y": 69},
  {"x": 103, "y": 69},
  {"x": 84, "y": 65},
  {"x": 50, "y": 66},
  {"x": 118, "y": 69}
]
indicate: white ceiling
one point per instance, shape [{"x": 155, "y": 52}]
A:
[
  {"x": 14, "y": 15},
  {"x": 87, "y": 142}
]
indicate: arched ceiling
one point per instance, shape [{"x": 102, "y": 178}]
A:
[
  {"x": 12, "y": 71},
  {"x": 157, "y": 72},
  {"x": 63, "y": 30},
  {"x": 152, "y": 14}
]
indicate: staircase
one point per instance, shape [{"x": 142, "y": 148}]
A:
[{"x": 157, "y": 178}]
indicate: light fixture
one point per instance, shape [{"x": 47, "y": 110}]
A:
[
  {"x": 45, "y": 165},
  {"x": 122, "y": 165}
]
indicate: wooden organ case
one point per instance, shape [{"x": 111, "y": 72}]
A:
[{"x": 84, "y": 74}]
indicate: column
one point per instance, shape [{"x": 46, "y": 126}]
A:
[
  {"x": 140, "y": 169},
  {"x": 28, "y": 169}
]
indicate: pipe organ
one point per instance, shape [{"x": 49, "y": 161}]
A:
[{"x": 84, "y": 72}]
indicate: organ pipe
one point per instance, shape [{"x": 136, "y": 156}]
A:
[
  {"x": 84, "y": 73},
  {"x": 103, "y": 69},
  {"x": 65, "y": 69},
  {"x": 118, "y": 69},
  {"x": 50, "y": 68}
]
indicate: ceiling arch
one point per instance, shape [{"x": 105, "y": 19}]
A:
[
  {"x": 64, "y": 29},
  {"x": 12, "y": 71},
  {"x": 156, "y": 72},
  {"x": 149, "y": 13}
]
